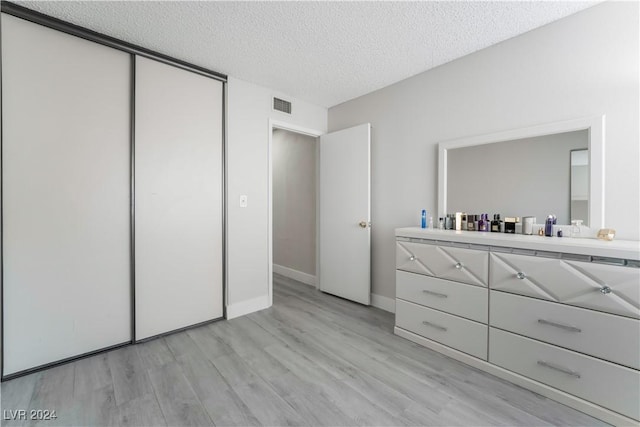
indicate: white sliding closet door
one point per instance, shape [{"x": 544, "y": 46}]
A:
[
  {"x": 65, "y": 182},
  {"x": 178, "y": 225}
]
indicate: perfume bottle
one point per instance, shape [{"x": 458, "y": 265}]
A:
[
  {"x": 511, "y": 224},
  {"x": 471, "y": 222},
  {"x": 440, "y": 223},
  {"x": 457, "y": 221},
  {"x": 527, "y": 225},
  {"x": 448, "y": 224},
  {"x": 548, "y": 226},
  {"x": 483, "y": 224},
  {"x": 496, "y": 224}
]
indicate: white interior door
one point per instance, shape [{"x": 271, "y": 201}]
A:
[
  {"x": 178, "y": 176},
  {"x": 345, "y": 212}
]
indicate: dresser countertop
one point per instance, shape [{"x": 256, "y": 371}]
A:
[{"x": 627, "y": 249}]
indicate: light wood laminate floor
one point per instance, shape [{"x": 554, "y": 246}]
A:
[{"x": 311, "y": 359}]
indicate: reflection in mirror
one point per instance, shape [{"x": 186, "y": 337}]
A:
[
  {"x": 580, "y": 185},
  {"x": 519, "y": 177},
  {"x": 523, "y": 171}
]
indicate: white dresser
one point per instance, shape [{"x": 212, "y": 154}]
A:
[{"x": 559, "y": 316}]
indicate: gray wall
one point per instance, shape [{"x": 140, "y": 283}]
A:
[
  {"x": 249, "y": 110},
  {"x": 526, "y": 177},
  {"x": 294, "y": 200},
  {"x": 580, "y": 66}
]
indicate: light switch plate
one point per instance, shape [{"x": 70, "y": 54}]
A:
[{"x": 243, "y": 201}]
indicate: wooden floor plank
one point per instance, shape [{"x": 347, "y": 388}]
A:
[
  {"x": 235, "y": 370},
  {"x": 53, "y": 391},
  {"x": 96, "y": 408},
  {"x": 269, "y": 408},
  {"x": 210, "y": 345},
  {"x": 143, "y": 411},
  {"x": 344, "y": 395},
  {"x": 178, "y": 402},
  {"x": 225, "y": 408},
  {"x": 204, "y": 378},
  {"x": 130, "y": 378},
  {"x": 249, "y": 347},
  {"x": 154, "y": 353},
  {"x": 317, "y": 410},
  {"x": 91, "y": 374},
  {"x": 181, "y": 344},
  {"x": 15, "y": 395}
]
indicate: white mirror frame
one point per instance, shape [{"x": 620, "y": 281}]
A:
[{"x": 595, "y": 127}]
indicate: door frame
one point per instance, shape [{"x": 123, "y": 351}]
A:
[{"x": 273, "y": 125}]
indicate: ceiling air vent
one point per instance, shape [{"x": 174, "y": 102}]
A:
[{"x": 281, "y": 105}]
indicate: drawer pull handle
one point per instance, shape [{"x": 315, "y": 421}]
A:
[
  {"x": 605, "y": 290},
  {"x": 458, "y": 266},
  {"x": 435, "y": 294},
  {"x": 412, "y": 258},
  {"x": 559, "y": 368},
  {"x": 559, "y": 325},
  {"x": 521, "y": 275},
  {"x": 433, "y": 325}
]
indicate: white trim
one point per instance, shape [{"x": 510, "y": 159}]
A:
[
  {"x": 552, "y": 393},
  {"x": 276, "y": 124},
  {"x": 595, "y": 126},
  {"x": 318, "y": 214},
  {"x": 305, "y": 278},
  {"x": 249, "y": 306},
  {"x": 383, "y": 303}
]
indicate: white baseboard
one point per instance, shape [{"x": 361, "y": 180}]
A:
[
  {"x": 305, "y": 278},
  {"x": 249, "y": 306},
  {"x": 383, "y": 303}
]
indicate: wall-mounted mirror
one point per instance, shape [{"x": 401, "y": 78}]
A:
[{"x": 527, "y": 172}]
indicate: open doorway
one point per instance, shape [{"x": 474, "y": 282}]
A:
[
  {"x": 293, "y": 200},
  {"x": 294, "y": 205},
  {"x": 342, "y": 210}
]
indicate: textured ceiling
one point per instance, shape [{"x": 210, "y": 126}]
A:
[{"x": 322, "y": 52}]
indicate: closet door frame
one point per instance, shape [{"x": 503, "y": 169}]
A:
[{"x": 32, "y": 16}]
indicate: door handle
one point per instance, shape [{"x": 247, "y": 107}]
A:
[{"x": 363, "y": 224}]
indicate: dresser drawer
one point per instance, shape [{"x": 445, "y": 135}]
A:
[
  {"x": 462, "y": 300},
  {"x": 461, "y": 334},
  {"x": 602, "y": 335},
  {"x": 609, "y": 288},
  {"x": 603, "y": 383},
  {"x": 447, "y": 262}
]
